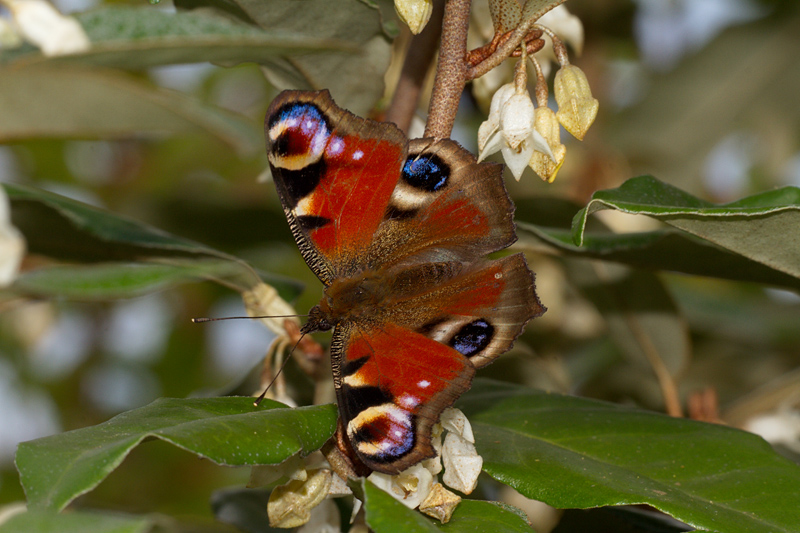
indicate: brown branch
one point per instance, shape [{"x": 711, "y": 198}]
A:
[
  {"x": 533, "y": 44},
  {"x": 451, "y": 72},
  {"x": 415, "y": 67}
]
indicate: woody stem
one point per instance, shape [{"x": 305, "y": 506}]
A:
[{"x": 451, "y": 71}]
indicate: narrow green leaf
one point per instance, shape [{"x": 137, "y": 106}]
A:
[
  {"x": 63, "y": 228},
  {"x": 33, "y": 211},
  {"x": 137, "y": 37},
  {"x": 764, "y": 227},
  {"x": 355, "y": 81},
  {"x": 75, "y": 522},
  {"x": 228, "y": 431},
  {"x": 108, "y": 281},
  {"x": 61, "y": 101},
  {"x": 668, "y": 250},
  {"x": 576, "y": 453}
]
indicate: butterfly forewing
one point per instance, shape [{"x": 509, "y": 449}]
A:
[{"x": 335, "y": 173}]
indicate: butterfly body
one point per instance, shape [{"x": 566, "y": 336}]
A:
[{"x": 396, "y": 230}]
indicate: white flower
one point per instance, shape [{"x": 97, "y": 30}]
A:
[
  {"x": 462, "y": 463},
  {"x": 510, "y": 130},
  {"x": 41, "y": 24},
  {"x": 12, "y": 244},
  {"x": 410, "y": 487},
  {"x": 415, "y": 13}
]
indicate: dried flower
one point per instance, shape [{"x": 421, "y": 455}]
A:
[
  {"x": 440, "y": 503},
  {"x": 290, "y": 505}
]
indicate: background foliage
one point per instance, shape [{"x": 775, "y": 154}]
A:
[{"x": 697, "y": 290}]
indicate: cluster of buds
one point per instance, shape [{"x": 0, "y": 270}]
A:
[
  {"x": 304, "y": 500},
  {"x": 528, "y": 135}
]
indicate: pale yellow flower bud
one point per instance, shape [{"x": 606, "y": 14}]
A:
[
  {"x": 415, "y": 13},
  {"x": 577, "y": 108},
  {"x": 547, "y": 125}
]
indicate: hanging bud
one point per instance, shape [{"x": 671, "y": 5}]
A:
[
  {"x": 577, "y": 108},
  {"x": 546, "y": 167},
  {"x": 415, "y": 13}
]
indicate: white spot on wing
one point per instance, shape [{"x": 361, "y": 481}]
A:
[
  {"x": 357, "y": 155},
  {"x": 335, "y": 147},
  {"x": 424, "y": 384}
]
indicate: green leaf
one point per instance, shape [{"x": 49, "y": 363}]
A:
[
  {"x": 764, "y": 228},
  {"x": 387, "y": 515},
  {"x": 63, "y": 228},
  {"x": 144, "y": 36},
  {"x": 33, "y": 211},
  {"x": 228, "y": 431},
  {"x": 108, "y": 281},
  {"x": 668, "y": 250},
  {"x": 49, "y": 101},
  {"x": 576, "y": 453},
  {"x": 354, "y": 80},
  {"x": 74, "y": 522},
  {"x": 472, "y": 515}
]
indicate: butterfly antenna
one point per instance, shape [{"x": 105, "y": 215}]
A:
[
  {"x": 200, "y": 320},
  {"x": 278, "y": 373}
]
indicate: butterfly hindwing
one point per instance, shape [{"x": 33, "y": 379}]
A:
[
  {"x": 394, "y": 380},
  {"x": 392, "y": 384}
]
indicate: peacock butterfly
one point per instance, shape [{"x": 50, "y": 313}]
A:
[{"x": 396, "y": 230}]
